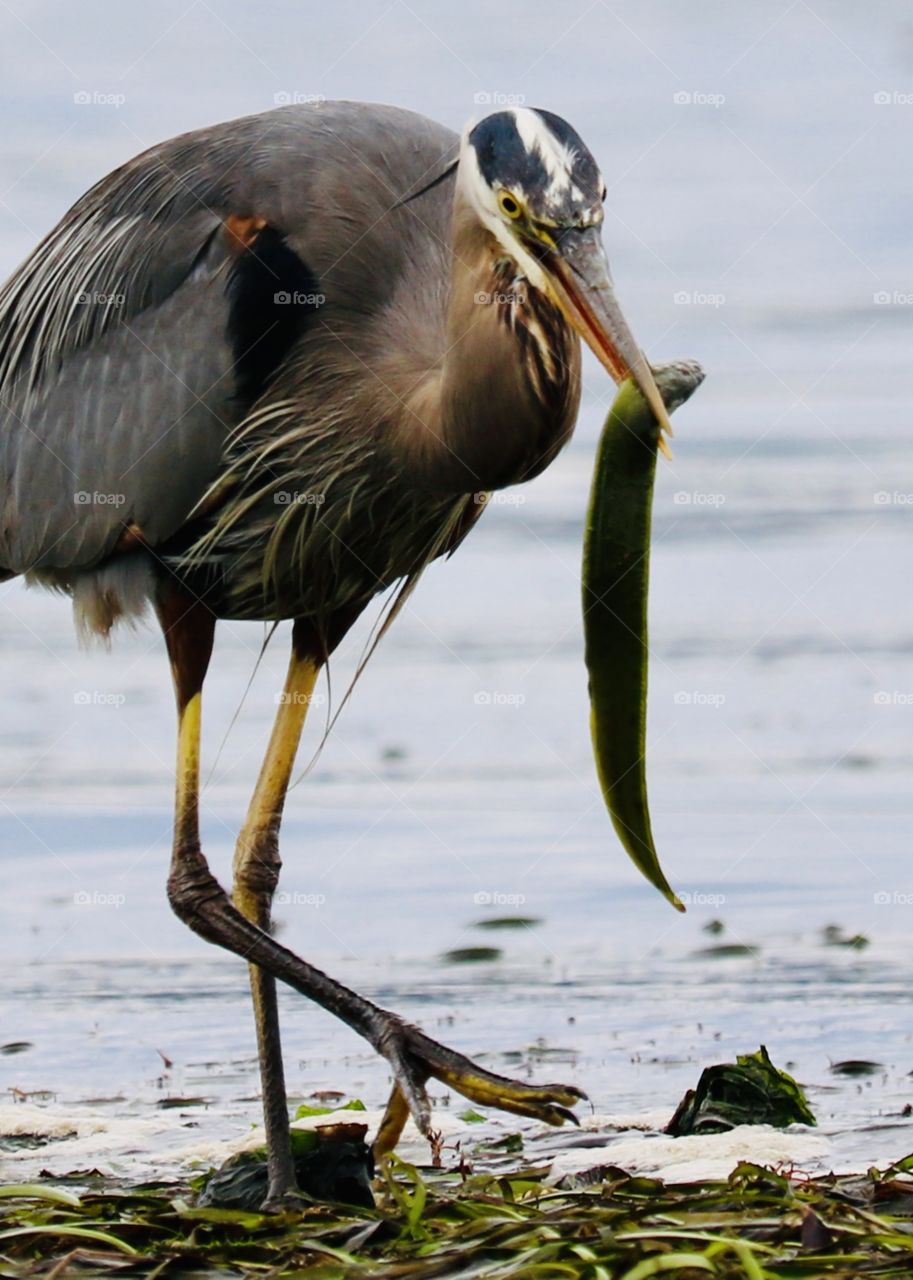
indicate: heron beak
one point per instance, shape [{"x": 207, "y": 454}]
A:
[{"x": 579, "y": 271}]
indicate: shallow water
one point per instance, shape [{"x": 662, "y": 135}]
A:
[{"x": 458, "y": 782}]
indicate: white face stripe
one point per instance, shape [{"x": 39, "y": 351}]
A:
[
  {"x": 480, "y": 196},
  {"x": 557, "y": 158}
]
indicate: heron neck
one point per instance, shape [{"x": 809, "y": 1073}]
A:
[{"x": 503, "y": 397}]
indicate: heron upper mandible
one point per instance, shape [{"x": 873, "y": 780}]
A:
[{"x": 263, "y": 371}]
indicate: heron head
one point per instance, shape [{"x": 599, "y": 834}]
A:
[{"x": 535, "y": 186}]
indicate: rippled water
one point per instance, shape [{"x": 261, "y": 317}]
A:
[{"x": 458, "y": 783}]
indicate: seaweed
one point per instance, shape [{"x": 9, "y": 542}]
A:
[
  {"x": 750, "y": 1091},
  {"x": 759, "y": 1223},
  {"x": 332, "y": 1163}
]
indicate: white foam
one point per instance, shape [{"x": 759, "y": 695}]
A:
[
  {"x": 128, "y": 1145},
  {"x": 705, "y": 1157},
  {"x": 83, "y": 1139},
  {"x": 77, "y": 1139}
]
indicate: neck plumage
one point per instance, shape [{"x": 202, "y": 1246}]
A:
[{"x": 502, "y": 398}]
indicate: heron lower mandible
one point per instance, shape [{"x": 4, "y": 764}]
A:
[{"x": 262, "y": 371}]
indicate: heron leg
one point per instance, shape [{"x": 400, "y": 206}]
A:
[
  {"x": 199, "y": 900},
  {"x": 256, "y": 873}
]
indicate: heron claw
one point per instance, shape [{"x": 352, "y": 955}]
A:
[{"x": 416, "y": 1058}]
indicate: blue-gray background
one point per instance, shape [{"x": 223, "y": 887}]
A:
[{"x": 758, "y": 218}]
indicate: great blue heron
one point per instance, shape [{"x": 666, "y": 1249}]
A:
[{"x": 263, "y": 371}]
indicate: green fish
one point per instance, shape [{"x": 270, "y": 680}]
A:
[{"x": 616, "y": 574}]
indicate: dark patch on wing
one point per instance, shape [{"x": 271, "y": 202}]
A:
[{"x": 272, "y": 296}]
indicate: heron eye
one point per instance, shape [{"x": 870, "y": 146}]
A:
[{"x": 508, "y": 205}]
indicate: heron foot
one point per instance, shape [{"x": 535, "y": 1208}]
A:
[
  {"x": 415, "y": 1058},
  {"x": 288, "y": 1201}
]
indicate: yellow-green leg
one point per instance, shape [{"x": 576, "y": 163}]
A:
[
  {"x": 256, "y": 873},
  {"x": 239, "y": 925}
]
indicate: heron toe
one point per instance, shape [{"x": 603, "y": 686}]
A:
[{"x": 415, "y": 1058}]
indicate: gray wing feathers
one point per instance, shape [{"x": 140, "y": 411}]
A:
[
  {"x": 130, "y": 432},
  {"x": 115, "y": 362},
  {"x": 115, "y": 371}
]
